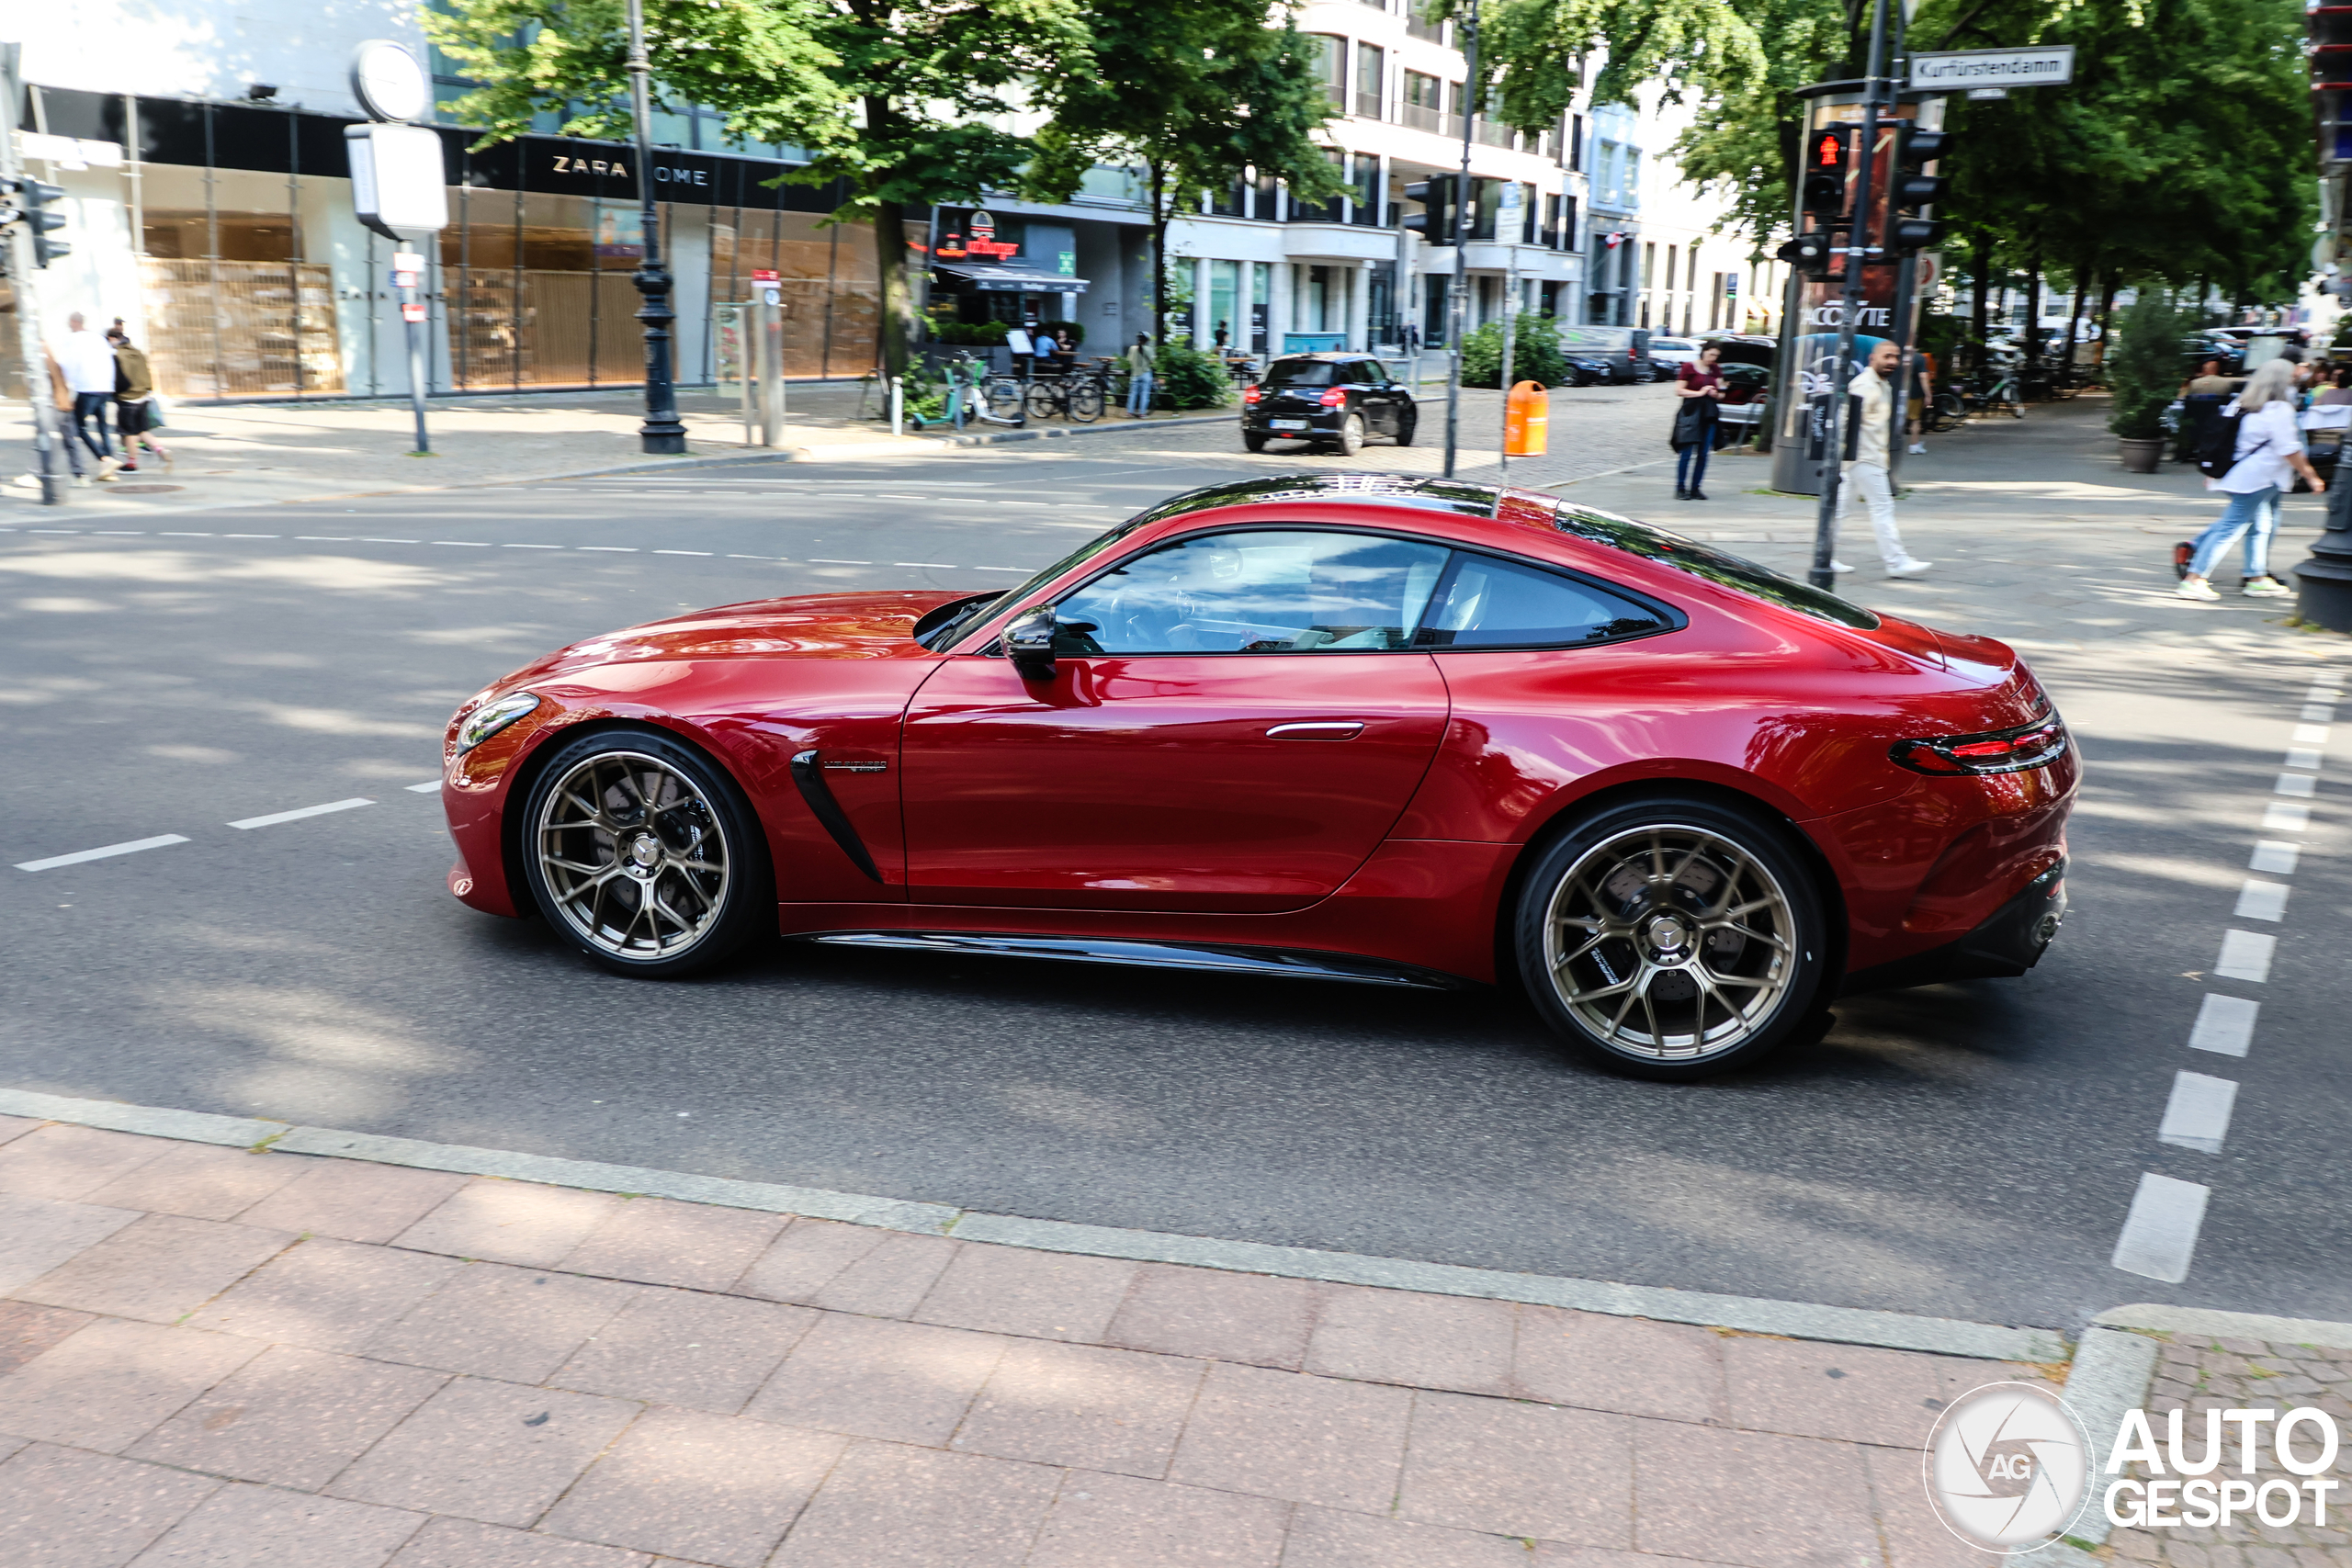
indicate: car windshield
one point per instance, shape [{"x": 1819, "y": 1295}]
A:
[
  {"x": 940, "y": 638},
  {"x": 1302, "y": 372},
  {"x": 1675, "y": 343},
  {"x": 1699, "y": 561}
]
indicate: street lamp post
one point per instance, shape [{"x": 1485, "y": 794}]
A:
[
  {"x": 1858, "y": 246},
  {"x": 662, "y": 432},
  {"x": 1457, "y": 297}
]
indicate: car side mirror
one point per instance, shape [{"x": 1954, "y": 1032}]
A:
[{"x": 1029, "y": 643}]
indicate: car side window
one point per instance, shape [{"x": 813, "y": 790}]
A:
[
  {"x": 1488, "y": 603},
  {"x": 1375, "y": 371},
  {"x": 1270, "y": 591}
]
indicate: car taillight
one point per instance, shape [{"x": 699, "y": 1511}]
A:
[
  {"x": 2031, "y": 745},
  {"x": 1249, "y": 394},
  {"x": 1334, "y": 397}
]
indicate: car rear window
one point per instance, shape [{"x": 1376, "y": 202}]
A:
[
  {"x": 1302, "y": 372},
  {"x": 1701, "y": 560}
]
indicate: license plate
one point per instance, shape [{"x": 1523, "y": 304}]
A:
[{"x": 1285, "y": 424}]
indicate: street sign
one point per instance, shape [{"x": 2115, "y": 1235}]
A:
[
  {"x": 2051, "y": 66},
  {"x": 1988, "y": 94}
]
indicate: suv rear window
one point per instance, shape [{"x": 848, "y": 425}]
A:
[
  {"x": 1700, "y": 560},
  {"x": 1301, "y": 372}
]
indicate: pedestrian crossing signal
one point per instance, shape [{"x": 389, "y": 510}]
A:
[{"x": 1829, "y": 153}]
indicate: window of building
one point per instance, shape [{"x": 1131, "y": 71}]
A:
[
  {"x": 1330, "y": 56},
  {"x": 1673, "y": 266},
  {"x": 1424, "y": 107},
  {"x": 1575, "y": 142},
  {"x": 1365, "y": 192},
  {"x": 1649, "y": 263},
  {"x": 1419, "y": 24},
  {"x": 1371, "y": 60}
]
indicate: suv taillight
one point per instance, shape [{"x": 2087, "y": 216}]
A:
[
  {"x": 1334, "y": 397},
  {"x": 2034, "y": 745},
  {"x": 1249, "y": 394}
]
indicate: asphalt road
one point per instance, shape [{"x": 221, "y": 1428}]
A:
[{"x": 1965, "y": 1150}]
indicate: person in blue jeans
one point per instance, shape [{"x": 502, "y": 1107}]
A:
[
  {"x": 1699, "y": 393},
  {"x": 2268, "y": 455},
  {"x": 1139, "y": 376}
]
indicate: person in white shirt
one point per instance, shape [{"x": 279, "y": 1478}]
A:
[
  {"x": 87, "y": 361},
  {"x": 1867, "y": 471},
  {"x": 2268, "y": 454}
]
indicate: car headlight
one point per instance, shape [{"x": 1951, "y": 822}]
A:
[{"x": 492, "y": 716}]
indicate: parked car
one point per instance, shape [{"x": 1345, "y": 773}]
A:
[
  {"x": 1334, "y": 400},
  {"x": 1584, "y": 371},
  {"x": 1625, "y": 350},
  {"x": 1668, "y": 354},
  {"x": 1747, "y": 363},
  {"x": 1374, "y": 727}
]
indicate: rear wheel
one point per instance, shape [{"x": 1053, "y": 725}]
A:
[
  {"x": 1673, "y": 937},
  {"x": 1044, "y": 401},
  {"x": 1004, "y": 396},
  {"x": 1086, "y": 401},
  {"x": 1253, "y": 440},
  {"x": 645, "y": 855},
  {"x": 1350, "y": 435}
]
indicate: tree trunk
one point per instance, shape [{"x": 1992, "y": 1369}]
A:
[
  {"x": 2075, "y": 317},
  {"x": 2107, "y": 284},
  {"x": 1983, "y": 300},
  {"x": 898, "y": 325},
  {"x": 1158, "y": 253},
  {"x": 2033, "y": 314}
]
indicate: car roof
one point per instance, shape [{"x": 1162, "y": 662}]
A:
[
  {"x": 1463, "y": 497},
  {"x": 1330, "y": 355}
]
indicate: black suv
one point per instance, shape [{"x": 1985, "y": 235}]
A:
[{"x": 1335, "y": 399}]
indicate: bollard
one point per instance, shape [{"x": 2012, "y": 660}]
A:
[
  {"x": 897, "y": 406},
  {"x": 1527, "y": 420}
]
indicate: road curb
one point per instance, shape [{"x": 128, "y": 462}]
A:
[
  {"x": 999, "y": 437},
  {"x": 2162, "y": 1319},
  {"x": 1754, "y": 1314}
]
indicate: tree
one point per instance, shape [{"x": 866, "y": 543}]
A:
[
  {"x": 1535, "y": 50},
  {"x": 1199, "y": 92}
]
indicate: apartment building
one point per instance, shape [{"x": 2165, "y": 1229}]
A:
[{"x": 1676, "y": 273}]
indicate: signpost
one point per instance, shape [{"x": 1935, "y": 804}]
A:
[
  {"x": 1959, "y": 70},
  {"x": 398, "y": 187}
]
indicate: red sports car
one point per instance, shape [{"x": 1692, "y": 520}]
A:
[{"x": 1361, "y": 727}]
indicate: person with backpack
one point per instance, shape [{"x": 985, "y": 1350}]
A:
[{"x": 2252, "y": 450}]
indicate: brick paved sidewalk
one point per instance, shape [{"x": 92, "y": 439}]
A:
[{"x": 211, "y": 1358}]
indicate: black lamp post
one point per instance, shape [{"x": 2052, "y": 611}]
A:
[
  {"x": 2325, "y": 580},
  {"x": 662, "y": 432}
]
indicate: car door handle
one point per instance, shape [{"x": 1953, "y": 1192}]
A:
[{"x": 1343, "y": 729}]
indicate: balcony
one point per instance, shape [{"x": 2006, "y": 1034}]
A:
[
  {"x": 1423, "y": 117},
  {"x": 1368, "y": 102}
]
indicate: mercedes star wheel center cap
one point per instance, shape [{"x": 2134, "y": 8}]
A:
[{"x": 1667, "y": 933}]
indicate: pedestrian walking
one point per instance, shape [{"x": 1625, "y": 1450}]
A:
[
  {"x": 135, "y": 402},
  {"x": 1874, "y": 431},
  {"x": 1923, "y": 397},
  {"x": 2265, "y": 455},
  {"x": 1140, "y": 380},
  {"x": 1699, "y": 397},
  {"x": 87, "y": 361}
]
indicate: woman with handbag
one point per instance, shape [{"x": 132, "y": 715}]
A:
[
  {"x": 1699, "y": 391},
  {"x": 137, "y": 416}
]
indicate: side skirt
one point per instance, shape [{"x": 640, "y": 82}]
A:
[{"x": 1220, "y": 958}]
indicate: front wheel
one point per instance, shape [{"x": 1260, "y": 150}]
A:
[
  {"x": 1086, "y": 402},
  {"x": 1407, "y": 423},
  {"x": 645, "y": 855},
  {"x": 1045, "y": 400},
  {"x": 1003, "y": 395},
  {"x": 1351, "y": 435},
  {"x": 1673, "y": 937}
]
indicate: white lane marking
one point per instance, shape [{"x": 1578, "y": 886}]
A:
[
  {"x": 2246, "y": 955},
  {"x": 141, "y": 532},
  {"x": 249, "y": 535},
  {"x": 371, "y": 541},
  {"x": 53, "y": 530},
  {"x": 2295, "y": 784},
  {"x": 2271, "y": 855},
  {"x": 613, "y": 549},
  {"x": 324, "y": 539},
  {"x": 2225, "y": 1025},
  {"x": 942, "y": 565},
  {"x": 132, "y": 847},
  {"x": 682, "y": 552},
  {"x": 295, "y": 816},
  {"x": 167, "y": 534},
  {"x": 428, "y": 787},
  {"x": 2160, "y": 1233},
  {"x": 1000, "y": 569},
  {"x": 2318, "y": 712},
  {"x": 465, "y": 543},
  {"x": 2281, "y": 817},
  {"x": 826, "y": 560},
  {"x": 758, "y": 558},
  {"x": 2259, "y": 900},
  {"x": 2198, "y": 1114},
  {"x": 2309, "y": 735},
  {"x": 533, "y": 546},
  {"x": 2305, "y": 757}
]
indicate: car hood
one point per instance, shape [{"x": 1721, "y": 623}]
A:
[{"x": 809, "y": 625}]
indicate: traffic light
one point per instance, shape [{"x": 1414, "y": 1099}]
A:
[
  {"x": 1808, "y": 253},
  {"x": 1914, "y": 189},
  {"x": 28, "y": 201},
  {"x": 1434, "y": 222},
  {"x": 1828, "y": 154}
]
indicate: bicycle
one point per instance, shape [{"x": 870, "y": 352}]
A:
[
  {"x": 1077, "y": 396},
  {"x": 1945, "y": 412},
  {"x": 2000, "y": 397}
]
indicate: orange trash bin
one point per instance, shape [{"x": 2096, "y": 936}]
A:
[{"x": 1527, "y": 420}]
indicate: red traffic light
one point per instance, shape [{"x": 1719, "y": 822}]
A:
[{"x": 1831, "y": 149}]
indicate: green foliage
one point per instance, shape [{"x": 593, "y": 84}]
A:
[
  {"x": 1534, "y": 353},
  {"x": 2143, "y": 367},
  {"x": 971, "y": 334},
  {"x": 1747, "y": 146},
  {"x": 1187, "y": 378},
  {"x": 1535, "y": 50}
]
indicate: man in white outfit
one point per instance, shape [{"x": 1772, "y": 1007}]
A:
[
  {"x": 87, "y": 361},
  {"x": 1867, "y": 473}
]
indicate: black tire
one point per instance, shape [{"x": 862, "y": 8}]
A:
[
  {"x": 1406, "y": 425},
  {"x": 1044, "y": 399},
  {"x": 1002, "y": 395},
  {"x": 1086, "y": 402},
  {"x": 589, "y": 809},
  {"x": 1253, "y": 440},
  {"x": 1632, "y": 902},
  {"x": 1351, "y": 441}
]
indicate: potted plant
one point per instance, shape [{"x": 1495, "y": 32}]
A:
[{"x": 2143, "y": 375}]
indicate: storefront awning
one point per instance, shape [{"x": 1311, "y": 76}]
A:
[{"x": 989, "y": 278}]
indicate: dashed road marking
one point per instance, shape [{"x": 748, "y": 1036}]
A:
[
  {"x": 2197, "y": 1116},
  {"x": 2259, "y": 900},
  {"x": 430, "y": 786},
  {"x": 827, "y": 560},
  {"x": 2225, "y": 1025},
  {"x": 2276, "y": 857},
  {"x": 2246, "y": 955},
  {"x": 300, "y": 812},
  {"x": 2296, "y": 784},
  {"x": 2283, "y": 817},
  {"x": 2160, "y": 1233},
  {"x": 103, "y": 851}
]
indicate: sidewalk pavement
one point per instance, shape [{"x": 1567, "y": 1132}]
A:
[
  {"x": 226, "y": 1357},
  {"x": 257, "y": 453}
]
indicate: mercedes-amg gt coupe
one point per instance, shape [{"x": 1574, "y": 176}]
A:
[{"x": 1370, "y": 728}]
